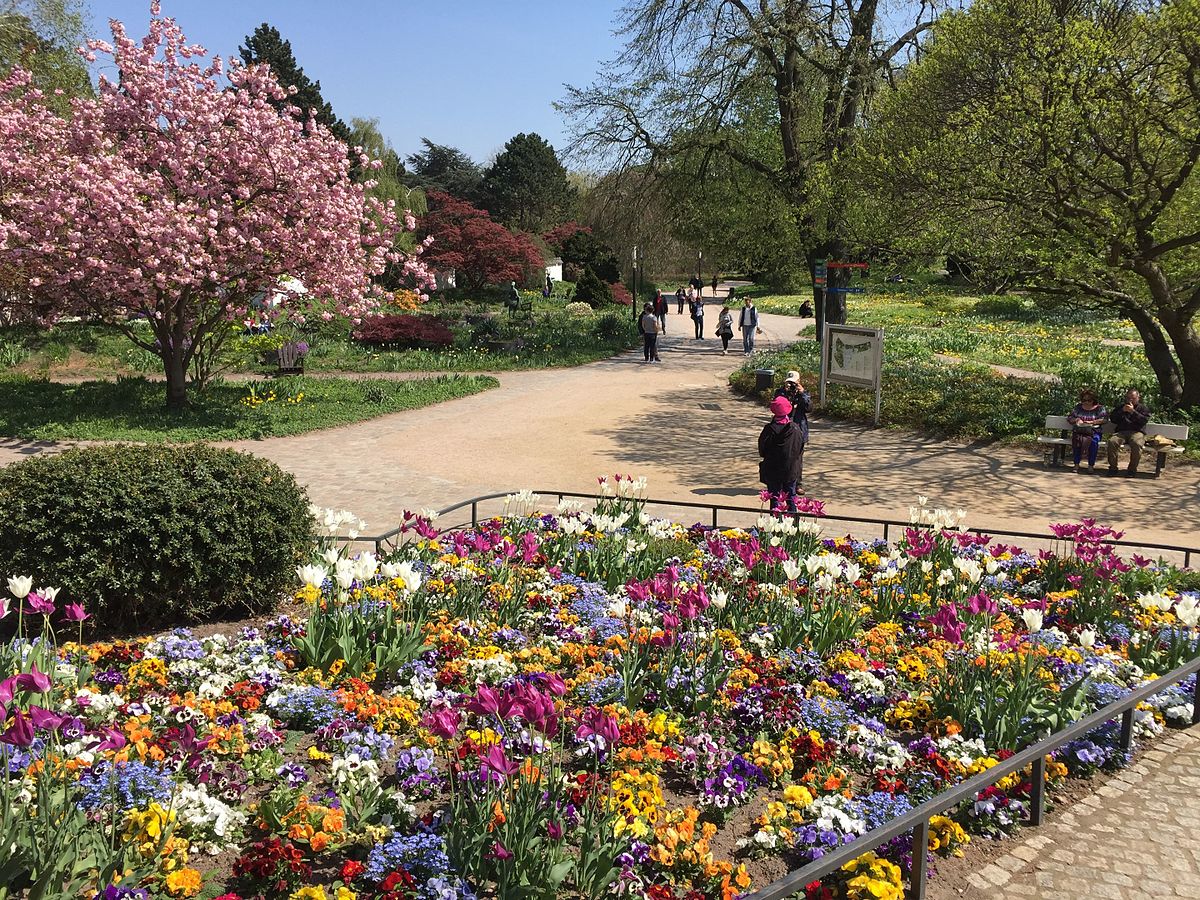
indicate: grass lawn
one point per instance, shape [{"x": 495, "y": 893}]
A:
[{"x": 132, "y": 409}]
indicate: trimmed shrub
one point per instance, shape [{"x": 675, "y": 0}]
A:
[
  {"x": 578, "y": 309},
  {"x": 155, "y": 535},
  {"x": 404, "y": 333}
]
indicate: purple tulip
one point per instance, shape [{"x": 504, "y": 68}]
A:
[
  {"x": 19, "y": 732},
  {"x": 40, "y": 604},
  {"x": 34, "y": 682},
  {"x": 494, "y": 760},
  {"x": 44, "y": 719},
  {"x": 500, "y": 852},
  {"x": 554, "y": 830},
  {"x": 112, "y": 740}
]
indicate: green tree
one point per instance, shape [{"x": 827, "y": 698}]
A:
[
  {"x": 267, "y": 45},
  {"x": 446, "y": 170},
  {"x": 1069, "y": 129},
  {"x": 526, "y": 186},
  {"x": 693, "y": 71},
  {"x": 41, "y": 36}
]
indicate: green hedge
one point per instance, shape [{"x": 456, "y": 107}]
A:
[{"x": 156, "y": 535}]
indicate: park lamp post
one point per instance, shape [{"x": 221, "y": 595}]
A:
[
  {"x": 699, "y": 276},
  {"x": 635, "y": 283}
]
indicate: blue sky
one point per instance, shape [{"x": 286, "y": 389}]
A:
[{"x": 470, "y": 73}]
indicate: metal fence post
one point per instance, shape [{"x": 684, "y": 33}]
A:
[
  {"x": 714, "y": 509},
  {"x": 474, "y": 513},
  {"x": 1196, "y": 700},
  {"x": 1127, "y": 729},
  {"x": 920, "y": 858},
  {"x": 1037, "y": 792}
]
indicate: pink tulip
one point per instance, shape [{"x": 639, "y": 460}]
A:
[
  {"x": 112, "y": 740},
  {"x": 44, "y": 719},
  {"x": 40, "y": 604},
  {"x": 73, "y": 612},
  {"x": 443, "y": 722}
]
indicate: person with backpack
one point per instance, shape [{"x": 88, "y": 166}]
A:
[{"x": 781, "y": 447}]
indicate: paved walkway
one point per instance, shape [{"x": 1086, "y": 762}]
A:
[
  {"x": 1134, "y": 839},
  {"x": 678, "y": 424}
]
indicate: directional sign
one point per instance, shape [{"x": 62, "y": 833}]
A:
[
  {"x": 819, "y": 273},
  {"x": 845, "y": 290},
  {"x": 848, "y": 265}
]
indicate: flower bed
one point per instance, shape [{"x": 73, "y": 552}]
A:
[{"x": 577, "y": 704}]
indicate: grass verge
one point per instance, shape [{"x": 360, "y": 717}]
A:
[{"x": 131, "y": 409}]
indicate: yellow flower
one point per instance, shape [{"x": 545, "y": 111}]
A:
[
  {"x": 344, "y": 893},
  {"x": 183, "y": 883}
]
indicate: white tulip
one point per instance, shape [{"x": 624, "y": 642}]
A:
[
  {"x": 825, "y": 582},
  {"x": 1033, "y": 619},
  {"x": 852, "y": 572},
  {"x": 718, "y": 599},
  {"x": 20, "y": 586},
  {"x": 390, "y": 570},
  {"x": 366, "y": 566},
  {"x": 331, "y": 556},
  {"x": 1187, "y": 610},
  {"x": 49, "y": 593},
  {"x": 1087, "y": 638},
  {"x": 312, "y": 576},
  {"x": 410, "y": 576},
  {"x": 792, "y": 569}
]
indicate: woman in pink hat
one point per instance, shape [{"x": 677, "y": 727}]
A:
[{"x": 781, "y": 447}]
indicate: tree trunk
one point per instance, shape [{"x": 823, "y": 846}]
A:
[
  {"x": 1186, "y": 342},
  {"x": 176, "y": 374},
  {"x": 1158, "y": 354}
]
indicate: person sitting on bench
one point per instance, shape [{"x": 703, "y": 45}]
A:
[
  {"x": 1086, "y": 419},
  {"x": 1129, "y": 422}
]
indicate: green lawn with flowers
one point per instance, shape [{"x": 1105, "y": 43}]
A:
[
  {"x": 563, "y": 702},
  {"x": 132, "y": 409}
]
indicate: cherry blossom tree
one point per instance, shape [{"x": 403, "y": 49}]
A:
[{"x": 172, "y": 200}]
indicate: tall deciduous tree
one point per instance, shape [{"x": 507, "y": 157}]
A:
[
  {"x": 1072, "y": 128},
  {"x": 479, "y": 250},
  {"x": 42, "y": 37},
  {"x": 526, "y": 186},
  {"x": 446, "y": 170},
  {"x": 692, "y": 69},
  {"x": 267, "y": 46},
  {"x": 171, "y": 200}
]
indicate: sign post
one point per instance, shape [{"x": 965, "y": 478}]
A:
[{"x": 853, "y": 355}]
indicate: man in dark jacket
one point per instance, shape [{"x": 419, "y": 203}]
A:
[
  {"x": 782, "y": 448},
  {"x": 793, "y": 391},
  {"x": 1129, "y": 421}
]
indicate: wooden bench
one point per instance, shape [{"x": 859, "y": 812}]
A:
[
  {"x": 291, "y": 360},
  {"x": 1055, "y": 446}
]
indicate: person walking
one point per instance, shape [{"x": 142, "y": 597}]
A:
[
  {"x": 698, "y": 315},
  {"x": 1129, "y": 421},
  {"x": 725, "y": 328},
  {"x": 549, "y": 289},
  {"x": 660, "y": 310},
  {"x": 793, "y": 391},
  {"x": 648, "y": 325},
  {"x": 682, "y": 296},
  {"x": 748, "y": 325},
  {"x": 781, "y": 448}
]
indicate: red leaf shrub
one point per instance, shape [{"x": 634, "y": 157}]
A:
[
  {"x": 404, "y": 332},
  {"x": 620, "y": 294},
  {"x": 480, "y": 251},
  {"x": 558, "y": 235}
]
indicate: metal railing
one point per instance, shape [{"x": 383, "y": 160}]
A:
[
  {"x": 917, "y": 820},
  {"x": 715, "y": 509}
]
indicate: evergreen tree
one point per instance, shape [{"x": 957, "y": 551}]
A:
[
  {"x": 267, "y": 45},
  {"x": 446, "y": 170},
  {"x": 526, "y": 187}
]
